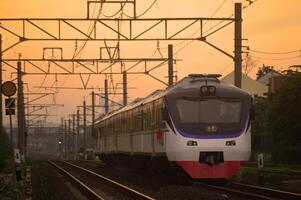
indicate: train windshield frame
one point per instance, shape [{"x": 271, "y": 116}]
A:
[
  {"x": 187, "y": 120},
  {"x": 222, "y": 110}
]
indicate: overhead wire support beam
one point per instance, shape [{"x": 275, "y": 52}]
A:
[
  {"x": 170, "y": 30},
  {"x": 35, "y": 66}
]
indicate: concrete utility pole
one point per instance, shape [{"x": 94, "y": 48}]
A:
[
  {"x": 92, "y": 136},
  {"x": 125, "y": 89},
  {"x": 77, "y": 132},
  {"x": 65, "y": 139},
  {"x": 68, "y": 139},
  {"x": 106, "y": 96},
  {"x": 1, "y": 108},
  {"x": 61, "y": 139},
  {"x": 73, "y": 136},
  {"x": 237, "y": 45},
  {"x": 21, "y": 112},
  {"x": 85, "y": 124},
  {"x": 170, "y": 65}
]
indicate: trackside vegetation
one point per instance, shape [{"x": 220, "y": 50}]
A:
[
  {"x": 277, "y": 126},
  {"x": 5, "y": 150}
]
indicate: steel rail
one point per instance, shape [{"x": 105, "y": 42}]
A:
[
  {"x": 130, "y": 191},
  {"x": 89, "y": 192},
  {"x": 279, "y": 194},
  {"x": 234, "y": 191},
  {"x": 253, "y": 192}
]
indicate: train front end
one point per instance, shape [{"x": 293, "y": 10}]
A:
[{"x": 209, "y": 125}]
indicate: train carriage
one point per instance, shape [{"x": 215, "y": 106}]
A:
[{"x": 201, "y": 124}]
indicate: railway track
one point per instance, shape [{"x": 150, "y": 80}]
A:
[
  {"x": 253, "y": 192},
  {"x": 89, "y": 191}
]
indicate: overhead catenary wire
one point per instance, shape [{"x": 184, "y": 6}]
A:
[
  {"x": 226, "y": 68},
  {"x": 251, "y": 2},
  {"x": 216, "y": 10},
  {"x": 279, "y": 53},
  {"x": 89, "y": 33},
  {"x": 144, "y": 12},
  {"x": 286, "y": 58},
  {"x": 117, "y": 12},
  {"x": 197, "y": 31}
]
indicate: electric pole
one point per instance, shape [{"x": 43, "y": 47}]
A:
[
  {"x": 77, "y": 135},
  {"x": 85, "y": 124},
  {"x": 92, "y": 136},
  {"x": 125, "y": 91},
  {"x": 73, "y": 136},
  {"x": 237, "y": 45},
  {"x": 21, "y": 112},
  {"x": 1, "y": 109},
  {"x": 106, "y": 96},
  {"x": 62, "y": 140},
  {"x": 65, "y": 139},
  {"x": 170, "y": 65},
  {"x": 68, "y": 139}
]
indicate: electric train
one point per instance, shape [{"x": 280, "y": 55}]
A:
[{"x": 200, "y": 124}]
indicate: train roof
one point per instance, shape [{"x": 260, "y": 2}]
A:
[
  {"x": 135, "y": 103},
  {"x": 191, "y": 81}
]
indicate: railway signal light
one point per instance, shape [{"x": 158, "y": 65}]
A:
[
  {"x": 10, "y": 106},
  {"x": 8, "y": 88}
]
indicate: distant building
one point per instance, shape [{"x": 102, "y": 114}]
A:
[
  {"x": 273, "y": 80},
  {"x": 265, "y": 78},
  {"x": 248, "y": 84}
]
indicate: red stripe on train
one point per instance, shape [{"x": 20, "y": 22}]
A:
[{"x": 200, "y": 170}]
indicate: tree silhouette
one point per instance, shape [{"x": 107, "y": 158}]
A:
[{"x": 263, "y": 71}]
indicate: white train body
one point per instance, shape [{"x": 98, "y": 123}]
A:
[{"x": 184, "y": 125}]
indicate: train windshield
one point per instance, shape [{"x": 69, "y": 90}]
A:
[{"x": 209, "y": 110}]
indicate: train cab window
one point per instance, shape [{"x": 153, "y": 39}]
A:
[
  {"x": 187, "y": 111},
  {"x": 209, "y": 111},
  {"x": 194, "y": 115}
]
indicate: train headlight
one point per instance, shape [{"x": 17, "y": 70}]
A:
[
  {"x": 212, "y": 90},
  {"x": 208, "y": 90},
  {"x": 204, "y": 89},
  {"x": 192, "y": 143}
]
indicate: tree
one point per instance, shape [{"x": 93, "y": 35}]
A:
[
  {"x": 263, "y": 71},
  {"x": 249, "y": 64},
  {"x": 284, "y": 117},
  {"x": 277, "y": 125},
  {"x": 260, "y": 126}
]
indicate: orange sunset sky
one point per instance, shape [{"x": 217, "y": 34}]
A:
[{"x": 268, "y": 25}]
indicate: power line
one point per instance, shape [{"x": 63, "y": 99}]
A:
[
  {"x": 287, "y": 58},
  {"x": 214, "y": 26},
  {"x": 214, "y": 13},
  {"x": 216, "y": 10},
  {"x": 144, "y": 12},
  {"x": 266, "y": 52},
  {"x": 113, "y": 15},
  {"x": 225, "y": 68}
]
